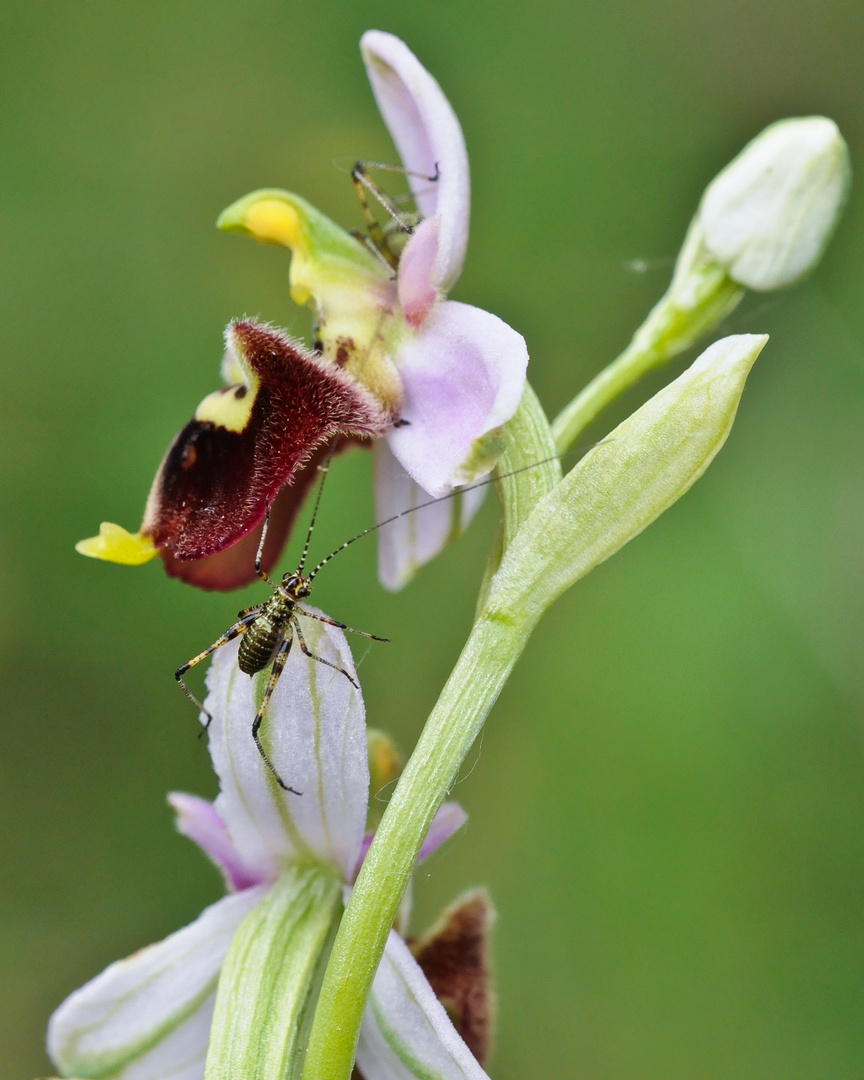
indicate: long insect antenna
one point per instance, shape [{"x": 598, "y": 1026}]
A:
[
  {"x": 431, "y": 502},
  {"x": 324, "y": 469}
]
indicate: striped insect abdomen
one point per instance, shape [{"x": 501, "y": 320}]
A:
[{"x": 259, "y": 644}]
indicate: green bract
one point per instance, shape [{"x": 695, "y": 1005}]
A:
[{"x": 626, "y": 481}]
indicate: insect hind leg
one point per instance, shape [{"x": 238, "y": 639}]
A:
[
  {"x": 342, "y": 626},
  {"x": 276, "y": 671},
  {"x": 232, "y": 632},
  {"x": 306, "y": 651}
]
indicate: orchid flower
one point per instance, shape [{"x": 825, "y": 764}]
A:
[
  {"x": 284, "y": 857},
  {"x": 444, "y": 376}
]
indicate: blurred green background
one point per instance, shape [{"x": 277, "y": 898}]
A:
[{"x": 668, "y": 801}]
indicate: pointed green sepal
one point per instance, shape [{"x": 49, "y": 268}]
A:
[
  {"x": 625, "y": 482},
  {"x": 324, "y": 253}
]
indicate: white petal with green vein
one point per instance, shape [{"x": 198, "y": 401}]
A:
[
  {"x": 406, "y": 1032},
  {"x": 148, "y": 1017}
]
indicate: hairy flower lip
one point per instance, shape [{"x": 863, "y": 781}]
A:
[
  {"x": 230, "y": 462},
  {"x": 245, "y": 444}
]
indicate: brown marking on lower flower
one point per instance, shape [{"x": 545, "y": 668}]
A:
[
  {"x": 454, "y": 956},
  {"x": 345, "y": 348}
]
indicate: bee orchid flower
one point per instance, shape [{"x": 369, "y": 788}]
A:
[
  {"x": 288, "y": 862},
  {"x": 434, "y": 380}
]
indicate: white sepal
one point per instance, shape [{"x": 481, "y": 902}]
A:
[
  {"x": 148, "y": 1017},
  {"x": 406, "y": 1032},
  {"x": 315, "y": 734}
]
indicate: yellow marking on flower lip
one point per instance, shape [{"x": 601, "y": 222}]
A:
[
  {"x": 115, "y": 544},
  {"x": 272, "y": 221},
  {"x": 229, "y": 408}
]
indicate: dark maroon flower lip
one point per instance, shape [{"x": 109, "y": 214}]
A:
[{"x": 248, "y": 441}]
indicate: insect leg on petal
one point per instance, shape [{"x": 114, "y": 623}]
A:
[
  {"x": 304, "y": 648},
  {"x": 275, "y": 672},
  {"x": 248, "y": 616}
]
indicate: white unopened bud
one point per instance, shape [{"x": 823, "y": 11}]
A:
[{"x": 767, "y": 217}]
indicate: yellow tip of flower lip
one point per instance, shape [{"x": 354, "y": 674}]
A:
[
  {"x": 115, "y": 544},
  {"x": 270, "y": 220}
]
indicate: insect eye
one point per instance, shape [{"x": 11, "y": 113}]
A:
[{"x": 304, "y": 591}]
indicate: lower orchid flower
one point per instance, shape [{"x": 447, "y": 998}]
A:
[
  {"x": 433, "y": 381},
  {"x": 288, "y": 862}
]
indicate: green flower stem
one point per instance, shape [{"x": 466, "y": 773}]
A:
[
  {"x": 480, "y": 673},
  {"x": 700, "y": 296}
]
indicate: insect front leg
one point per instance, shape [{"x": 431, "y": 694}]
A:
[
  {"x": 377, "y": 243},
  {"x": 341, "y": 626},
  {"x": 276, "y": 671},
  {"x": 235, "y": 631},
  {"x": 305, "y": 648}
]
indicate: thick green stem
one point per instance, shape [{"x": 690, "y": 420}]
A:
[
  {"x": 480, "y": 673},
  {"x": 492, "y": 649},
  {"x": 700, "y": 296},
  {"x": 637, "y": 359}
]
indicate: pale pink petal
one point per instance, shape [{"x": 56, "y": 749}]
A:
[
  {"x": 315, "y": 734},
  {"x": 429, "y": 140},
  {"x": 148, "y": 1017},
  {"x": 200, "y": 821},
  {"x": 448, "y": 820},
  {"x": 406, "y": 1032},
  {"x": 414, "y": 538},
  {"x": 417, "y": 294},
  {"x": 462, "y": 375}
]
